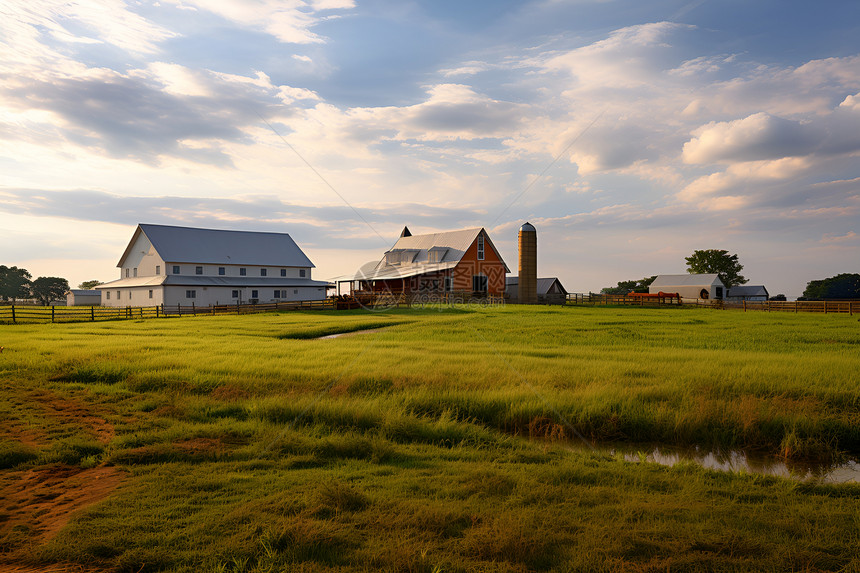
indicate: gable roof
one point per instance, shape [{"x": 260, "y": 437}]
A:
[
  {"x": 686, "y": 280},
  {"x": 216, "y": 246},
  {"x": 543, "y": 284},
  {"x": 752, "y": 290},
  {"x": 451, "y": 245}
]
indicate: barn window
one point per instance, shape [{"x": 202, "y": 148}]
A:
[
  {"x": 176, "y": 269},
  {"x": 277, "y": 294},
  {"x": 150, "y": 293},
  {"x": 295, "y": 291},
  {"x": 126, "y": 273},
  {"x": 479, "y": 283},
  {"x": 449, "y": 284},
  {"x": 283, "y": 272},
  {"x": 254, "y": 294},
  {"x": 243, "y": 271},
  {"x": 263, "y": 272},
  {"x": 135, "y": 271},
  {"x": 118, "y": 294},
  {"x": 222, "y": 271},
  {"x": 157, "y": 270},
  {"x": 198, "y": 270},
  {"x": 235, "y": 294},
  {"x": 107, "y": 294},
  {"x": 302, "y": 273},
  {"x": 480, "y": 247},
  {"x": 191, "y": 294}
]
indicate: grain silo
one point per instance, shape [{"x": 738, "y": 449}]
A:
[{"x": 527, "y": 288}]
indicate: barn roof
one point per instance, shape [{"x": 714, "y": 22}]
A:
[
  {"x": 686, "y": 280},
  {"x": 543, "y": 285},
  {"x": 217, "y": 246},
  {"x": 752, "y": 290},
  {"x": 415, "y": 252}
]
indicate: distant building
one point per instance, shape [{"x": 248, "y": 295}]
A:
[
  {"x": 749, "y": 293},
  {"x": 697, "y": 286},
  {"x": 463, "y": 261},
  {"x": 549, "y": 290},
  {"x": 183, "y": 265},
  {"x": 79, "y": 297}
]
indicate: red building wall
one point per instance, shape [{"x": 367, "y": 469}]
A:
[{"x": 492, "y": 266}]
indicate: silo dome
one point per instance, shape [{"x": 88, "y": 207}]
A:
[{"x": 527, "y": 228}]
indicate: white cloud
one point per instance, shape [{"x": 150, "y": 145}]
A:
[{"x": 289, "y": 21}]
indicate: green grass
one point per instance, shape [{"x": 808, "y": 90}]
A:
[{"x": 253, "y": 446}]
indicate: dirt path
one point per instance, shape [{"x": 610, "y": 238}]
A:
[{"x": 69, "y": 411}]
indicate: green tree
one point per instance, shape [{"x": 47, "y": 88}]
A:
[
  {"x": 717, "y": 261},
  {"x": 14, "y": 283},
  {"x": 48, "y": 289},
  {"x": 846, "y": 285},
  {"x": 87, "y": 285},
  {"x": 626, "y": 287}
]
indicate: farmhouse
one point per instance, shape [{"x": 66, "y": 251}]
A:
[
  {"x": 463, "y": 261},
  {"x": 182, "y": 265},
  {"x": 549, "y": 290},
  {"x": 749, "y": 293},
  {"x": 702, "y": 286},
  {"x": 81, "y": 297}
]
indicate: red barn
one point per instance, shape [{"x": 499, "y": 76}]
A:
[{"x": 464, "y": 262}]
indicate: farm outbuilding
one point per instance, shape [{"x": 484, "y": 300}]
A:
[
  {"x": 549, "y": 290},
  {"x": 81, "y": 297},
  {"x": 749, "y": 293},
  {"x": 183, "y": 265},
  {"x": 690, "y": 286},
  {"x": 464, "y": 261}
]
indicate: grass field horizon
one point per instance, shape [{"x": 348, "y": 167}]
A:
[{"x": 246, "y": 443}]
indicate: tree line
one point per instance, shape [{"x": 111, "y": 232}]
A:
[
  {"x": 728, "y": 268},
  {"x": 16, "y": 284}
]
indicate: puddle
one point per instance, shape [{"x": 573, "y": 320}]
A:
[
  {"x": 352, "y": 333},
  {"x": 732, "y": 461}
]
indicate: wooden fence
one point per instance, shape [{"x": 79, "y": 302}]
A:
[
  {"x": 27, "y": 313},
  {"x": 849, "y": 307}
]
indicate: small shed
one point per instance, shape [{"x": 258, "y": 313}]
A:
[
  {"x": 749, "y": 293},
  {"x": 549, "y": 290},
  {"x": 78, "y": 297},
  {"x": 699, "y": 286}
]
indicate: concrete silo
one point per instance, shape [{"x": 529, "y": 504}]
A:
[{"x": 527, "y": 280}]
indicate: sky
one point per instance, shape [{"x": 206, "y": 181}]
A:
[{"x": 628, "y": 133}]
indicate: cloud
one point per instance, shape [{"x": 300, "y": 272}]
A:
[
  {"x": 756, "y": 137},
  {"x": 290, "y": 21}
]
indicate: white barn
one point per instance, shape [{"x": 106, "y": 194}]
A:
[
  {"x": 183, "y": 265},
  {"x": 699, "y": 286}
]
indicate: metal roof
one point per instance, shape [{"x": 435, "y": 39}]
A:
[
  {"x": 752, "y": 290},
  {"x": 686, "y": 280},
  {"x": 84, "y": 292},
  {"x": 543, "y": 285},
  {"x": 455, "y": 243},
  {"x": 216, "y": 246}
]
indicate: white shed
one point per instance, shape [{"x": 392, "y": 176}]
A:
[
  {"x": 703, "y": 287},
  {"x": 80, "y": 297}
]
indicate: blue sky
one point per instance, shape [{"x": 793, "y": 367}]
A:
[{"x": 629, "y": 133}]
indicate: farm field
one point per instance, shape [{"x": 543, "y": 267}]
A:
[{"x": 435, "y": 440}]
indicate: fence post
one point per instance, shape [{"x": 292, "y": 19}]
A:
[
  {"x": 193, "y": 310},
  {"x": 13, "y": 314},
  {"x": 52, "y": 313},
  {"x": 238, "y": 308},
  {"x": 93, "y": 313},
  {"x": 179, "y": 308},
  {"x": 745, "y": 305}
]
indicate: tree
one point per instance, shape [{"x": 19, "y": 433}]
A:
[
  {"x": 626, "y": 287},
  {"x": 717, "y": 261},
  {"x": 778, "y": 298},
  {"x": 87, "y": 285},
  {"x": 48, "y": 289},
  {"x": 14, "y": 283},
  {"x": 846, "y": 285}
]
